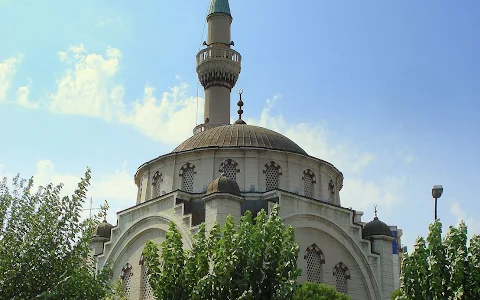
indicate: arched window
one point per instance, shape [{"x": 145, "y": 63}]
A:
[
  {"x": 230, "y": 168},
  {"x": 308, "y": 181},
  {"x": 342, "y": 274},
  {"x": 187, "y": 172},
  {"x": 127, "y": 278},
  {"x": 157, "y": 184},
  {"x": 314, "y": 259},
  {"x": 145, "y": 288},
  {"x": 272, "y": 171}
]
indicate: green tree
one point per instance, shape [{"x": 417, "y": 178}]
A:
[
  {"x": 44, "y": 244},
  {"x": 444, "y": 268},
  {"x": 255, "y": 260},
  {"x": 318, "y": 291}
]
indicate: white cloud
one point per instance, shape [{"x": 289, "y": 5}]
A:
[
  {"x": 7, "y": 71},
  {"x": 89, "y": 87},
  {"x": 22, "y": 98},
  {"x": 472, "y": 224},
  {"x": 363, "y": 195},
  {"x": 314, "y": 139},
  {"x": 117, "y": 187}
]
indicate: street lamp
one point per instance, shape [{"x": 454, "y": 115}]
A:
[{"x": 437, "y": 192}]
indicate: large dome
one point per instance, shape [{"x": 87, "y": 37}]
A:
[{"x": 240, "y": 135}]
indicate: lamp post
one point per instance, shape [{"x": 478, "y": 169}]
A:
[{"x": 437, "y": 192}]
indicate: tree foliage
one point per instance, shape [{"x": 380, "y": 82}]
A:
[
  {"x": 442, "y": 268},
  {"x": 318, "y": 291},
  {"x": 255, "y": 260},
  {"x": 44, "y": 244}
]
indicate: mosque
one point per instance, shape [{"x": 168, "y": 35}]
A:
[{"x": 231, "y": 168}]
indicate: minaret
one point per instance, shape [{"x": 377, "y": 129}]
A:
[{"x": 218, "y": 66}]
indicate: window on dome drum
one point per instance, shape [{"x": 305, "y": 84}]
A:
[
  {"x": 314, "y": 259},
  {"x": 145, "y": 288},
  {"x": 308, "y": 181},
  {"x": 230, "y": 168},
  {"x": 187, "y": 172},
  {"x": 157, "y": 184},
  {"x": 342, "y": 274},
  {"x": 127, "y": 278},
  {"x": 272, "y": 172}
]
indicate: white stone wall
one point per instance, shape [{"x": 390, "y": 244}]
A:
[{"x": 251, "y": 176}]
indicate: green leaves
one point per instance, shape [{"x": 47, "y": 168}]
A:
[
  {"x": 318, "y": 291},
  {"x": 44, "y": 246},
  {"x": 257, "y": 259},
  {"x": 443, "y": 269}
]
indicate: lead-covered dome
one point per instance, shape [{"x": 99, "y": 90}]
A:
[
  {"x": 240, "y": 135},
  {"x": 376, "y": 227},
  {"x": 223, "y": 184},
  {"x": 104, "y": 229}
]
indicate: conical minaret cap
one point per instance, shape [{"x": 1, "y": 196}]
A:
[{"x": 219, "y": 6}]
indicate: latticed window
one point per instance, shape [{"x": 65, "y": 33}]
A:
[
  {"x": 314, "y": 268},
  {"x": 229, "y": 168},
  {"x": 308, "y": 185},
  {"x": 157, "y": 183},
  {"x": 187, "y": 182},
  {"x": 341, "y": 282},
  {"x": 230, "y": 171},
  {"x": 314, "y": 260},
  {"x": 271, "y": 177},
  {"x": 342, "y": 274},
  {"x": 147, "y": 293},
  {"x": 127, "y": 279}
]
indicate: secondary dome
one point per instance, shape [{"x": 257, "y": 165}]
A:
[
  {"x": 376, "y": 227},
  {"x": 240, "y": 135},
  {"x": 223, "y": 184},
  {"x": 104, "y": 229}
]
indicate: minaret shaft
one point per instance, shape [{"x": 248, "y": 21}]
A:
[{"x": 218, "y": 66}]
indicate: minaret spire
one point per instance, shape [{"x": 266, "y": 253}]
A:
[{"x": 218, "y": 66}]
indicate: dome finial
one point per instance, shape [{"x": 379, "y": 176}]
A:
[
  {"x": 375, "y": 211},
  {"x": 240, "y": 110}
]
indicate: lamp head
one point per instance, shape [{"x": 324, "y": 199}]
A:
[{"x": 437, "y": 191}]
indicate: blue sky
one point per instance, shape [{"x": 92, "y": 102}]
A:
[{"x": 387, "y": 91}]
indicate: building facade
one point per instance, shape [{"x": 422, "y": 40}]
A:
[{"x": 193, "y": 184}]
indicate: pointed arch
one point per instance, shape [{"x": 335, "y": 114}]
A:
[
  {"x": 146, "y": 291},
  {"x": 126, "y": 278},
  {"x": 308, "y": 181},
  {"x": 342, "y": 275},
  {"x": 230, "y": 168},
  {"x": 157, "y": 184},
  {"x": 314, "y": 260},
  {"x": 187, "y": 172},
  {"x": 272, "y": 171}
]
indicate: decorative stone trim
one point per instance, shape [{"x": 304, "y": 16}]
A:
[
  {"x": 274, "y": 165},
  {"x": 229, "y": 162},
  {"x": 331, "y": 187},
  {"x": 315, "y": 248},
  {"x": 127, "y": 268},
  {"x": 186, "y": 167},
  {"x": 311, "y": 174},
  {"x": 157, "y": 177},
  {"x": 341, "y": 266}
]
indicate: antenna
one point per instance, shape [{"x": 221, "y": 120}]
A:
[
  {"x": 91, "y": 208},
  {"x": 199, "y": 47}
]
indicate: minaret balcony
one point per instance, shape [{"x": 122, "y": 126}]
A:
[
  {"x": 218, "y": 66},
  {"x": 218, "y": 54}
]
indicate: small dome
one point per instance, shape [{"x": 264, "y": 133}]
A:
[
  {"x": 104, "y": 229},
  {"x": 376, "y": 227},
  {"x": 223, "y": 185}
]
